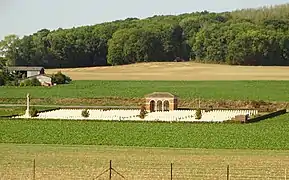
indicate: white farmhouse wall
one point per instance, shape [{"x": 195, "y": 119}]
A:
[
  {"x": 44, "y": 79},
  {"x": 32, "y": 73}
]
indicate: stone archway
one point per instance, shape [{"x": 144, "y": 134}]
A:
[
  {"x": 152, "y": 106},
  {"x": 159, "y": 105},
  {"x": 166, "y": 105}
]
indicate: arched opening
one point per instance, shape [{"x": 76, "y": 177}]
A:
[
  {"x": 159, "y": 106},
  {"x": 166, "y": 105},
  {"x": 152, "y": 105}
]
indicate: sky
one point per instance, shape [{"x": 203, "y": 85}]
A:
[{"x": 24, "y": 17}]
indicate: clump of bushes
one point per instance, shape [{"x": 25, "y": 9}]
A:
[
  {"x": 143, "y": 112},
  {"x": 30, "y": 82},
  {"x": 7, "y": 79},
  {"x": 60, "y": 78},
  {"x": 85, "y": 113},
  {"x": 198, "y": 114},
  {"x": 33, "y": 112}
]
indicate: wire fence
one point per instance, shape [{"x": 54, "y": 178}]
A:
[{"x": 140, "y": 170}]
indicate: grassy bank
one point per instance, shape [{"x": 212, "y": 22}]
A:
[{"x": 267, "y": 134}]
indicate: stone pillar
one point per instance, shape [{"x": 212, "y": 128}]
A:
[{"x": 27, "y": 113}]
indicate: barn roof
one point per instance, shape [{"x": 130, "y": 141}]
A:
[
  {"x": 161, "y": 95},
  {"x": 24, "y": 68}
]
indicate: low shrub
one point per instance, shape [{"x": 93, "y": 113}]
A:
[
  {"x": 12, "y": 83},
  {"x": 198, "y": 114},
  {"x": 60, "y": 78},
  {"x": 30, "y": 82},
  {"x": 143, "y": 112},
  {"x": 35, "y": 82},
  {"x": 33, "y": 112},
  {"x": 85, "y": 113}
]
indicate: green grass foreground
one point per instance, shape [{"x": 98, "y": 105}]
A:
[
  {"x": 234, "y": 90},
  {"x": 268, "y": 134}
]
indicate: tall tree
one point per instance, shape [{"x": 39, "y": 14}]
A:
[{"x": 9, "y": 48}]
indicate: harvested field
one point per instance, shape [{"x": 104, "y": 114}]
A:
[
  {"x": 177, "y": 71},
  {"x": 86, "y": 162}
]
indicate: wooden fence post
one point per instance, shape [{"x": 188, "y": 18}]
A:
[
  {"x": 33, "y": 169},
  {"x": 110, "y": 169},
  {"x": 171, "y": 171},
  {"x": 228, "y": 172}
]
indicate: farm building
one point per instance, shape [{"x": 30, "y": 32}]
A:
[
  {"x": 27, "y": 70},
  {"x": 30, "y": 72}
]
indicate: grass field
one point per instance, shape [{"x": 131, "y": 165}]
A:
[
  {"x": 176, "y": 71},
  {"x": 234, "y": 90},
  {"x": 268, "y": 134},
  {"x": 86, "y": 162}
]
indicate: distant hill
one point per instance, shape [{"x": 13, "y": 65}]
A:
[{"x": 243, "y": 37}]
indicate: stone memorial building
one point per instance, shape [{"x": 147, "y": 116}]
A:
[{"x": 161, "y": 101}]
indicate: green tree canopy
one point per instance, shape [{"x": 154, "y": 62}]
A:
[{"x": 247, "y": 37}]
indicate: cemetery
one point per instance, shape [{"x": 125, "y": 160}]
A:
[{"x": 160, "y": 106}]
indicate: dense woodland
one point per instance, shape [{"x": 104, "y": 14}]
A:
[{"x": 243, "y": 37}]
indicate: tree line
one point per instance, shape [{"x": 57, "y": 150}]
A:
[{"x": 244, "y": 37}]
